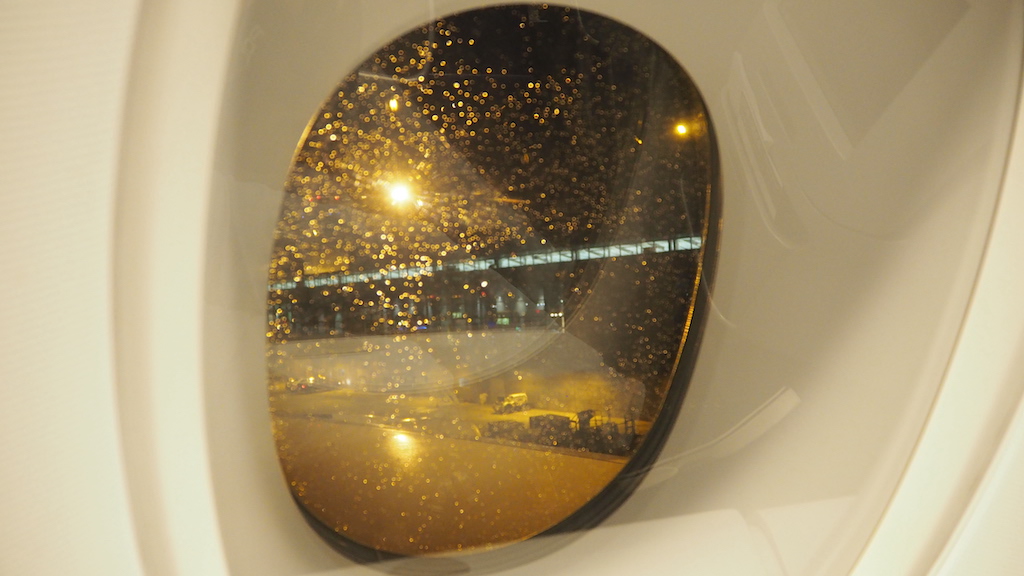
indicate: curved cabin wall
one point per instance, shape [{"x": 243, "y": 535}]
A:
[
  {"x": 856, "y": 218},
  {"x": 863, "y": 192}
]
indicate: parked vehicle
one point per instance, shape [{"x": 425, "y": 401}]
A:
[{"x": 511, "y": 403}]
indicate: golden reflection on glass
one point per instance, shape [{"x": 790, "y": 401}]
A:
[{"x": 484, "y": 288}]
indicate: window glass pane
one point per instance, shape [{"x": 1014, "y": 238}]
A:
[{"x": 488, "y": 281}]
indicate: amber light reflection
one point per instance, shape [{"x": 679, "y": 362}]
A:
[{"x": 410, "y": 493}]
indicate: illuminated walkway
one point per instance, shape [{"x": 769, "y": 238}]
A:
[{"x": 684, "y": 243}]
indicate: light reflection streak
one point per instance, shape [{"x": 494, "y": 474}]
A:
[{"x": 403, "y": 447}]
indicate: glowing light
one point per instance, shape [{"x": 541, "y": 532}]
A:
[
  {"x": 681, "y": 129},
  {"x": 393, "y": 104},
  {"x": 403, "y": 447},
  {"x": 400, "y": 194}
]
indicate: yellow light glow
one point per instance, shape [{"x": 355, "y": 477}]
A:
[
  {"x": 400, "y": 194},
  {"x": 403, "y": 447},
  {"x": 681, "y": 129},
  {"x": 393, "y": 104}
]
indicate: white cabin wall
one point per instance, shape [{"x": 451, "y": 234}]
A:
[{"x": 64, "y": 70}]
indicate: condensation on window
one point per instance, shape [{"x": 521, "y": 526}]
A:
[{"x": 488, "y": 281}]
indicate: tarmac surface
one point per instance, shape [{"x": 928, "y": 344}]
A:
[
  {"x": 398, "y": 443},
  {"x": 430, "y": 482}
]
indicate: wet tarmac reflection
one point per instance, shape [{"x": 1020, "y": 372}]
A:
[{"x": 411, "y": 493}]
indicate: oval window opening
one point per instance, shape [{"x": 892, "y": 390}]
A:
[{"x": 488, "y": 281}]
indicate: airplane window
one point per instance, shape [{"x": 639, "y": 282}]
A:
[{"x": 488, "y": 281}]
